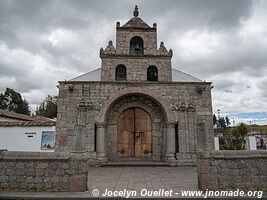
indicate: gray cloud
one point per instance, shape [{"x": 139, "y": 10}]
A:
[
  {"x": 42, "y": 42},
  {"x": 198, "y": 14},
  {"x": 262, "y": 87}
]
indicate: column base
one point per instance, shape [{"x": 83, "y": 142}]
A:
[
  {"x": 171, "y": 160},
  {"x": 169, "y": 157},
  {"x": 102, "y": 157}
]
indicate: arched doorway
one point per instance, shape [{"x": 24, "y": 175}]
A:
[
  {"x": 121, "y": 112},
  {"x": 134, "y": 134}
]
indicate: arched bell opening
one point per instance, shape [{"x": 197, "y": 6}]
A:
[
  {"x": 120, "y": 74},
  {"x": 136, "y": 46}
]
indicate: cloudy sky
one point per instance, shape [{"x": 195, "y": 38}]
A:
[{"x": 225, "y": 42}]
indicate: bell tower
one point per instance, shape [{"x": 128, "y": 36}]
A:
[{"x": 136, "y": 56}]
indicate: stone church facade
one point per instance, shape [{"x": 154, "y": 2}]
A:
[{"x": 136, "y": 106}]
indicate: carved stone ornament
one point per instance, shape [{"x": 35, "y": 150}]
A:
[
  {"x": 71, "y": 87},
  {"x": 174, "y": 107},
  {"x": 182, "y": 107},
  {"x": 190, "y": 108},
  {"x": 200, "y": 88},
  {"x": 101, "y": 51},
  {"x": 162, "y": 49},
  {"x": 164, "y": 95},
  {"x": 85, "y": 105},
  {"x": 110, "y": 49},
  {"x": 98, "y": 104}
]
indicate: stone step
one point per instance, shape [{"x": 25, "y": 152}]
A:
[
  {"x": 136, "y": 163},
  {"x": 133, "y": 164},
  {"x": 144, "y": 163}
]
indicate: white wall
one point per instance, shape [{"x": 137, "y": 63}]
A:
[
  {"x": 216, "y": 143},
  {"x": 15, "y": 139},
  {"x": 251, "y": 143}
]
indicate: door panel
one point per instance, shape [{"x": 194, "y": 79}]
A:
[
  {"x": 134, "y": 133},
  {"x": 125, "y": 134},
  {"x": 143, "y": 133}
]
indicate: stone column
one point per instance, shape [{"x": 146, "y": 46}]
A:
[
  {"x": 100, "y": 141},
  {"x": 170, "y": 141}
]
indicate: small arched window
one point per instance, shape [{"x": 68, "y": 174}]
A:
[
  {"x": 152, "y": 73},
  {"x": 120, "y": 73},
  {"x": 136, "y": 46}
]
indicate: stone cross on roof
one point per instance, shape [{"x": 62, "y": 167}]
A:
[{"x": 135, "y": 13}]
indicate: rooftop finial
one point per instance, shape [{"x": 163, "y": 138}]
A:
[{"x": 135, "y": 13}]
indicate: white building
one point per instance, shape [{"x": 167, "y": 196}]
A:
[{"x": 20, "y": 132}]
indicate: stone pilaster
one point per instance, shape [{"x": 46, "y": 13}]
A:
[
  {"x": 101, "y": 141},
  {"x": 183, "y": 132},
  {"x": 170, "y": 141},
  {"x": 191, "y": 130}
]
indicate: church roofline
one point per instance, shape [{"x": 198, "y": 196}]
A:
[
  {"x": 187, "y": 74},
  {"x": 87, "y": 73},
  {"x": 177, "y": 77}
]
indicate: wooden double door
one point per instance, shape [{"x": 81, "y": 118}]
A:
[{"x": 134, "y": 134}]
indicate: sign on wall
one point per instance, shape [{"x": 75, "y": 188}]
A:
[{"x": 48, "y": 140}]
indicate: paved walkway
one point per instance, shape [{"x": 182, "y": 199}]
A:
[{"x": 128, "y": 180}]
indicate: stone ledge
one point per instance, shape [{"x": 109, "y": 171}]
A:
[
  {"x": 83, "y": 156},
  {"x": 16, "y": 155},
  {"x": 136, "y": 83},
  {"x": 129, "y": 56},
  {"x": 233, "y": 154},
  {"x": 144, "y": 29}
]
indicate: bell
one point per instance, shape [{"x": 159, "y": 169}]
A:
[{"x": 137, "y": 47}]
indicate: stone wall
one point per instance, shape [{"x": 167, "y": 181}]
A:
[
  {"x": 124, "y": 35},
  {"x": 83, "y": 104},
  {"x": 228, "y": 170},
  {"x": 136, "y": 67},
  {"x": 32, "y": 171}
]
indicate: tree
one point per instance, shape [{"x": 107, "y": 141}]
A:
[
  {"x": 12, "y": 101},
  {"x": 239, "y": 134},
  {"x": 235, "y": 140},
  {"x": 227, "y": 121},
  {"x": 48, "y": 108},
  {"x": 221, "y": 124},
  {"x": 214, "y": 120}
]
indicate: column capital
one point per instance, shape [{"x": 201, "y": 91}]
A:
[
  {"x": 171, "y": 124},
  {"x": 100, "y": 124}
]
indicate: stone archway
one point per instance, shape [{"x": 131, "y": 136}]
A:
[{"x": 142, "y": 103}]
